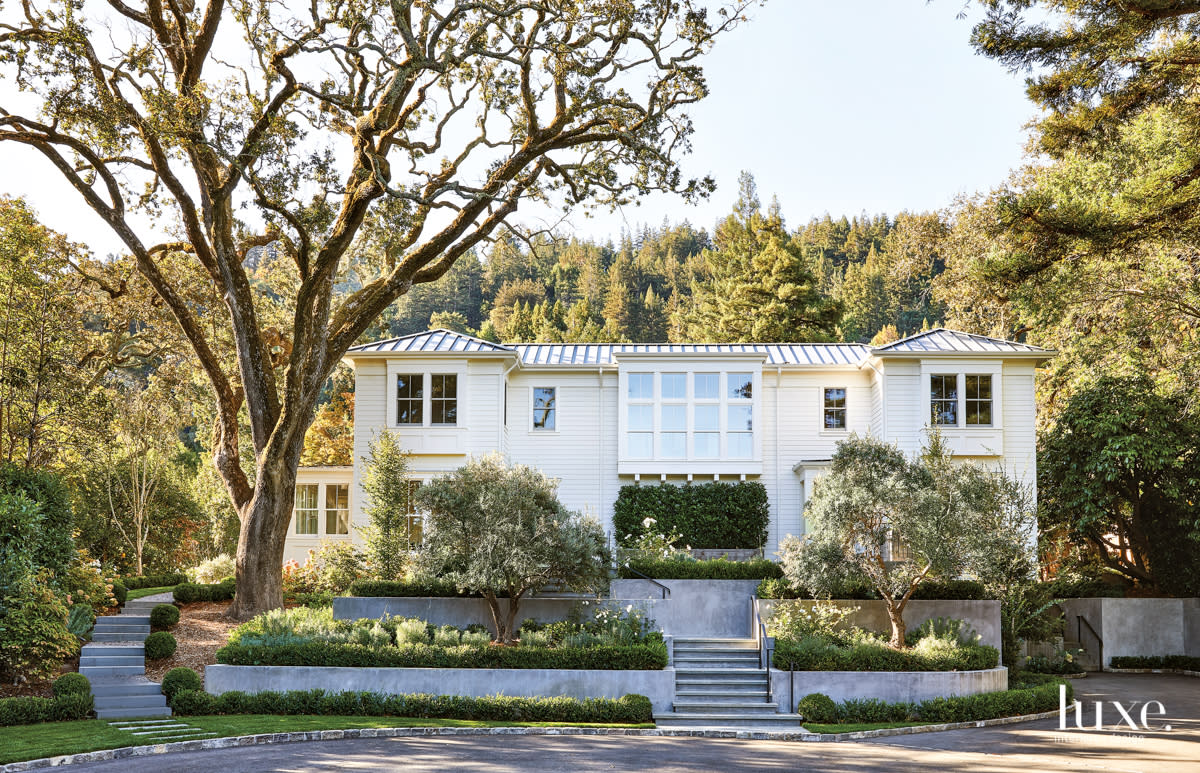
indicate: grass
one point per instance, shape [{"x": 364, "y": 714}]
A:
[
  {"x": 858, "y": 727},
  {"x": 29, "y": 742},
  {"x": 140, "y": 592}
]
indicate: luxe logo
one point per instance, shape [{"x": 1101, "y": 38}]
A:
[{"x": 1124, "y": 716}]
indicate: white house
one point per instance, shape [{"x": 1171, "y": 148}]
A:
[{"x": 600, "y": 416}]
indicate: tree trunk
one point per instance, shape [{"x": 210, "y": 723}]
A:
[
  {"x": 895, "y": 612},
  {"x": 514, "y": 604},
  {"x": 497, "y": 616}
]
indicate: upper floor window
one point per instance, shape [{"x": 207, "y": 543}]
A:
[
  {"x": 835, "y": 408},
  {"x": 544, "y": 408},
  {"x": 741, "y": 386},
  {"x": 641, "y": 386},
  {"x": 306, "y": 508},
  {"x": 674, "y": 386},
  {"x": 443, "y": 398},
  {"x": 337, "y": 508},
  {"x": 979, "y": 400},
  {"x": 943, "y": 400},
  {"x": 707, "y": 386},
  {"x": 410, "y": 398}
]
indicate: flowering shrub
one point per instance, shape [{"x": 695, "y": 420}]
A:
[
  {"x": 85, "y": 584},
  {"x": 213, "y": 570},
  {"x": 797, "y": 620},
  {"x": 651, "y": 543}
]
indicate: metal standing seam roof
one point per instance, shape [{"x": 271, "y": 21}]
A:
[
  {"x": 774, "y": 354},
  {"x": 432, "y": 341},
  {"x": 943, "y": 340}
]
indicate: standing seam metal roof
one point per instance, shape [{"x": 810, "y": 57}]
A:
[{"x": 945, "y": 340}]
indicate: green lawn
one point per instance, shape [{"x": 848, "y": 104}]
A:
[
  {"x": 28, "y": 742},
  {"x": 857, "y": 728},
  {"x": 140, "y": 592}
]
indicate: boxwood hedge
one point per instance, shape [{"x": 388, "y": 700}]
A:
[
  {"x": 958, "y": 590},
  {"x": 187, "y": 592},
  {"x": 686, "y": 569},
  {"x": 27, "y": 710},
  {"x": 422, "y": 586},
  {"x": 815, "y": 654},
  {"x": 708, "y": 515},
  {"x": 1180, "y": 662},
  {"x": 136, "y": 582}
]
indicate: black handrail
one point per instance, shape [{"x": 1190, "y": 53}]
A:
[
  {"x": 666, "y": 592},
  {"x": 1081, "y": 621},
  {"x": 765, "y": 651}
]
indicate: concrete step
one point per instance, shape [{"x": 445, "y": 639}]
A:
[
  {"x": 691, "y": 674},
  {"x": 112, "y": 660},
  {"x": 706, "y": 651},
  {"x": 131, "y": 701},
  {"x": 750, "y": 694},
  {"x": 761, "y": 722},
  {"x": 92, "y": 672},
  {"x": 122, "y": 620},
  {"x": 739, "y": 708},
  {"x": 105, "y": 648},
  {"x": 715, "y": 662},
  {"x": 105, "y": 688},
  {"x": 138, "y": 712},
  {"x": 121, "y": 636},
  {"x": 723, "y": 643}
]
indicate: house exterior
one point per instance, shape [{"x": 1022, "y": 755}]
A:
[{"x": 600, "y": 416}]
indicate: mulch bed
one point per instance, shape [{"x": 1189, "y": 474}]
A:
[{"x": 201, "y": 631}]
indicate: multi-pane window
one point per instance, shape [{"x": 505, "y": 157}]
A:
[
  {"x": 641, "y": 386},
  {"x": 740, "y": 432},
  {"x": 337, "y": 508},
  {"x": 544, "y": 409},
  {"x": 306, "y": 508},
  {"x": 741, "y": 386},
  {"x": 639, "y": 419},
  {"x": 707, "y": 386},
  {"x": 673, "y": 438},
  {"x": 943, "y": 400},
  {"x": 706, "y": 440},
  {"x": 674, "y": 386},
  {"x": 410, "y": 398},
  {"x": 706, "y": 415},
  {"x": 416, "y": 521},
  {"x": 978, "y": 406},
  {"x": 835, "y": 408},
  {"x": 443, "y": 398}
]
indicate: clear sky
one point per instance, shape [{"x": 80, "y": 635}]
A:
[{"x": 838, "y": 106}]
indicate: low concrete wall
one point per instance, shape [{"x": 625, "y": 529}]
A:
[
  {"x": 983, "y": 616},
  {"x": 1136, "y": 626},
  {"x": 704, "y": 608},
  {"x": 658, "y": 686},
  {"x": 890, "y": 686}
]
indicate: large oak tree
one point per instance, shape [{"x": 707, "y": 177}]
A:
[{"x": 363, "y": 138}]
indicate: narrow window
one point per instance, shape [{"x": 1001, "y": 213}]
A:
[
  {"x": 443, "y": 398},
  {"x": 306, "y": 508},
  {"x": 741, "y": 386},
  {"x": 544, "y": 409},
  {"x": 979, "y": 401},
  {"x": 416, "y": 521},
  {"x": 740, "y": 433},
  {"x": 674, "y": 431},
  {"x": 410, "y": 393},
  {"x": 337, "y": 508},
  {"x": 835, "y": 408},
  {"x": 943, "y": 400},
  {"x": 640, "y": 426},
  {"x": 706, "y": 440}
]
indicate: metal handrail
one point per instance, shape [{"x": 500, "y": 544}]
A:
[
  {"x": 1081, "y": 621},
  {"x": 666, "y": 592},
  {"x": 765, "y": 651}
]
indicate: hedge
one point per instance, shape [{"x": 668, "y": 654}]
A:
[
  {"x": 629, "y": 709},
  {"x": 28, "y": 710},
  {"x": 930, "y": 590},
  {"x": 179, "y": 679},
  {"x": 52, "y": 546},
  {"x": 817, "y": 655},
  {"x": 425, "y": 586},
  {"x": 1181, "y": 662},
  {"x": 714, "y": 569},
  {"x": 71, "y": 684},
  {"x": 159, "y": 645},
  {"x": 649, "y": 656},
  {"x": 707, "y": 515},
  {"x": 137, "y": 582},
  {"x": 186, "y": 593},
  {"x": 120, "y": 591}
]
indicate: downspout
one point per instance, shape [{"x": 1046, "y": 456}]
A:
[
  {"x": 778, "y": 424},
  {"x": 503, "y": 407},
  {"x": 600, "y": 447}
]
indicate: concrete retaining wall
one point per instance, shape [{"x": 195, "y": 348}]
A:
[
  {"x": 658, "y": 686},
  {"x": 983, "y": 616},
  {"x": 890, "y": 686},
  {"x": 705, "y": 608},
  {"x": 1136, "y": 626}
]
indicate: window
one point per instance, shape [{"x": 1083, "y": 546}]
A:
[
  {"x": 410, "y": 393},
  {"x": 337, "y": 508},
  {"x": 979, "y": 401},
  {"x": 706, "y": 440},
  {"x": 543, "y": 408},
  {"x": 740, "y": 433},
  {"x": 674, "y": 431},
  {"x": 674, "y": 386},
  {"x": 943, "y": 396},
  {"x": 741, "y": 386},
  {"x": 640, "y": 424},
  {"x": 443, "y": 398},
  {"x": 416, "y": 521},
  {"x": 707, "y": 386},
  {"x": 835, "y": 408},
  {"x": 306, "y": 508},
  {"x": 641, "y": 386}
]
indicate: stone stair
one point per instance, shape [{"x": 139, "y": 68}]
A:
[
  {"x": 719, "y": 684},
  {"x": 115, "y": 663}
]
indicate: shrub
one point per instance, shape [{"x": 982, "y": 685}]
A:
[
  {"x": 80, "y": 620},
  {"x": 817, "y": 707},
  {"x": 164, "y": 616},
  {"x": 947, "y": 628},
  {"x": 1061, "y": 662},
  {"x": 417, "y": 586},
  {"x": 137, "y": 582},
  {"x": 959, "y": 590},
  {"x": 963, "y": 590},
  {"x": 29, "y": 710},
  {"x": 212, "y": 571},
  {"x": 34, "y": 639},
  {"x": 795, "y": 620},
  {"x": 85, "y": 584},
  {"x": 186, "y": 593},
  {"x": 159, "y": 645},
  {"x": 687, "y": 569},
  {"x": 629, "y": 709},
  {"x": 816, "y": 653},
  {"x": 72, "y": 684},
  {"x": 179, "y": 679},
  {"x": 1180, "y": 662},
  {"x": 706, "y": 515},
  {"x": 120, "y": 592},
  {"x": 51, "y": 545}
]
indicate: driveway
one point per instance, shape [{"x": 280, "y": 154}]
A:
[{"x": 1033, "y": 746}]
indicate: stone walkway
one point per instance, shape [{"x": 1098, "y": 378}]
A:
[{"x": 115, "y": 662}]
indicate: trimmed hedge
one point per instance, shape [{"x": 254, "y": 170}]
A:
[
  {"x": 818, "y": 655},
  {"x": 179, "y": 679},
  {"x": 186, "y": 593},
  {"x": 713, "y": 569},
  {"x": 629, "y": 709},
  {"x": 28, "y": 710},
  {"x": 1181, "y": 662},
  {"x": 120, "y": 591},
  {"x": 164, "y": 616},
  {"x": 425, "y": 586},
  {"x": 137, "y": 582},
  {"x": 930, "y": 590},
  {"x": 71, "y": 684},
  {"x": 707, "y": 515},
  {"x": 159, "y": 645},
  {"x": 649, "y": 656}
]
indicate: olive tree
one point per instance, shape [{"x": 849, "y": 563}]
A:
[
  {"x": 501, "y": 531},
  {"x": 367, "y": 143}
]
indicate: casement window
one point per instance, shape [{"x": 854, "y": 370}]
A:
[
  {"x": 978, "y": 408},
  {"x": 443, "y": 398},
  {"x": 834, "y": 409},
  {"x": 961, "y": 400},
  {"x": 545, "y": 409},
  {"x": 305, "y": 508},
  {"x": 337, "y": 508},
  {"x": 943, "y": 400},
  {"x": 410, "y": 398},
  {"x": 416, "y": 520}
]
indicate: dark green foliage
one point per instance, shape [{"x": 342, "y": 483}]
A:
[
  {"x": 964, "y": 590},
  {"x": 153, "y": 580},
  {"x": 1180, "y": 662},
  {"x": 1081, "y": 588},
  {"x": 29, "y": 710},
  {"x": 961, "y": 590},
  {"x": 707, "y": 515},
  {"x": 179, "y": 679},
  {"x": 120, "y": 591},
  {"x": 186, "y": 593},
  {"x": 80, "y": 620},
  {"x": 649, "y": 656},
  {"x": 1031, "y": 695},
  {"x": 817, "y": 654},
  {"x": 1058, "y": 664},
  {"x": 159, "y": 645},
  {"x": 421, "y": 586},
  {"x": 629, "y": 709},
  {"x": 686, "y": 569},
  {"x": 51, "y": 546},
  {"x": 164, "y": 616},
  {"x": 72, "y": 684},
  {"x": 817, "y": 707}
]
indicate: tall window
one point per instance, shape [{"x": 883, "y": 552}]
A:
[
  {"x": 416, "y": 521},
  {"x": 306, "y": 508},
  {"x": 544, "y": 409},
  {"x": 739, "y": 425},
  {"x": 979, "y": 400},
  {"x": 337, "y": 508},
  {"x": 410, "y": 394},
  {"x": 640, "y": 417},
  {"x": 835, "y": 408},
  {"x": 443, "y": 398},
  {"x": 943, "y": 400}
]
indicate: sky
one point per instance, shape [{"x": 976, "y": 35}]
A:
[{"x": 842, "y": 106}]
